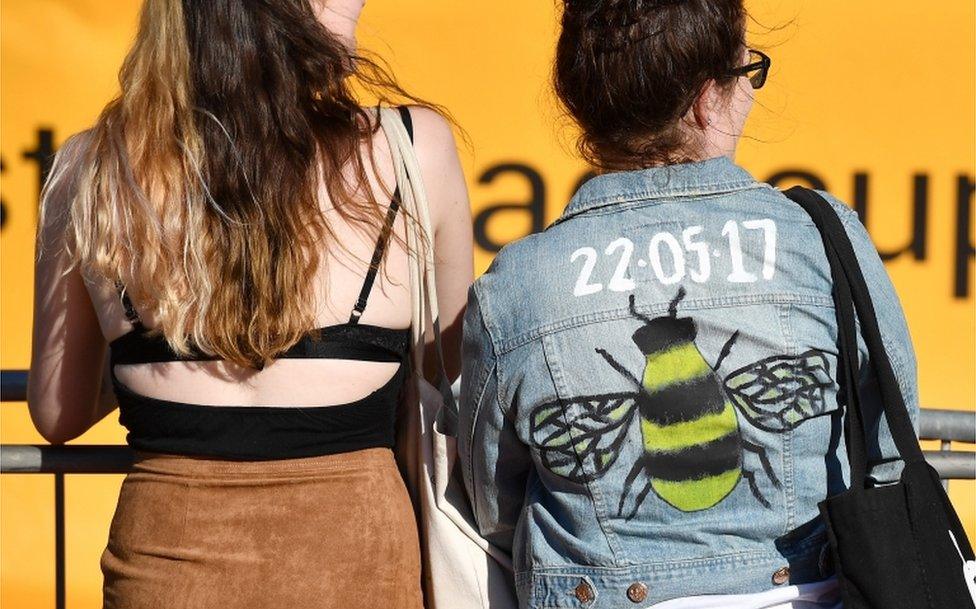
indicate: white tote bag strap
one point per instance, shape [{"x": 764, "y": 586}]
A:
[
  {"x": 450, "y": 499},
  {"x": 413, "y": 201},
  {"x": 420, "y": 241}
]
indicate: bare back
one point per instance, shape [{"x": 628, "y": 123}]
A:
[{"x": 337, "y": 284}]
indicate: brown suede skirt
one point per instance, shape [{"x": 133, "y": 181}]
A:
[{"x": 324, "y": 532}]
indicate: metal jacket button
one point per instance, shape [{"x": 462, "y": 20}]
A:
[
  {"x": 584, "y": 593},
  {"x": 637, "y": 592},
  {"x": 781, "y": 576}
]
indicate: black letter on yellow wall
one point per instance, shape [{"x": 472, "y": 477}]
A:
[
  {"x": 3, "y": 204},
  {"x": 965, "y": 186},
  {"x": 793, "y": 177},
  {"x": 920, "y": 215},
  {"x": 535, "y": 206},
  {"x": 43, "y": 155}
]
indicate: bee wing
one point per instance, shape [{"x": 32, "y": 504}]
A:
[
  {"x": 586, "y": 445},
  {"x": 780, "y": 392}
]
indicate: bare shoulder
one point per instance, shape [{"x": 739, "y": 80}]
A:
[
  {"x": 78, "y": 142},
  {"x": 62, "y": 183},
  {"x": 73, "y": 153},
  {"x": 432, "y": 131},
  {"x": 70, "y": 159},
  {"x": 437, "y": 154}
]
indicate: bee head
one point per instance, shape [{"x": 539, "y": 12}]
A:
[{"x": 661, "y": 333}]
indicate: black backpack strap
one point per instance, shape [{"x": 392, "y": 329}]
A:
[
  {"x": 374, "y": 264},
  {"x": 850, "y": 289},
  {"x": 850, "y": 286}
]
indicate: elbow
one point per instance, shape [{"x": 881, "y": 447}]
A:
[
  {"x": 60, "y": 413},
  {"x": 56, "y": 437},
  {"x": 53, "y": 431},
  {"x": 51, "y": 422}
]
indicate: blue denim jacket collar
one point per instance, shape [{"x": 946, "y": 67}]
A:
[{"x": 711, "y": 176}]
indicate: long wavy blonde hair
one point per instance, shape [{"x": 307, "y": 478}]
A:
[{"x": 197, "y": 186}]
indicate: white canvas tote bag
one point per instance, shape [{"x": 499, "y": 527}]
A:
[{"x": 461, "y": 569}]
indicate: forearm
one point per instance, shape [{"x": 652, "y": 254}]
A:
[{"x": 68, "y": 394}]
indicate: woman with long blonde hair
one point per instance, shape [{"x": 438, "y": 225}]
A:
[{"x": 229, "y": 229}]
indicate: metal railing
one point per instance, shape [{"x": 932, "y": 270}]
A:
[{"x": 945, "y": 426}]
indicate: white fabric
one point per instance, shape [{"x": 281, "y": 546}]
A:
[
  {"x": 820, "y": 595},
  {"x": 462, "y": 570},
  {"x": 968, "y": 569},
  {"x": 969, "y": 572}
]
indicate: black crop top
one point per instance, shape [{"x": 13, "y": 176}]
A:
[{"x": 270, "y": 432}]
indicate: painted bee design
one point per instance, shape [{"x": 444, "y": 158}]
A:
[{"x": 692, "y": 445}]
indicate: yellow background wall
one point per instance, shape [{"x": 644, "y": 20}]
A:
[{"x": 879, "y": 88}]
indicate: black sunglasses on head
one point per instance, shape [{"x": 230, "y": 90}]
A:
[{"x": 757, "y": 69}]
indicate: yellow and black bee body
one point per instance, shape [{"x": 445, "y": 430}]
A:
[
  {"x": 692, "y": 447},
  {"x": 691, "y": 440}
]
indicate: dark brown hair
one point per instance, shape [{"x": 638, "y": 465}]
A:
[
  {"x": 199, "y": 188},
  {"x": 628, "y": 70}
]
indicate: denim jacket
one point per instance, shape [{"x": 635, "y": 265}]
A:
[{"x": 649, "y": 405}]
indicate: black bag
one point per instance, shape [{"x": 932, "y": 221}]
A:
[{"x": 891, "y": 545}]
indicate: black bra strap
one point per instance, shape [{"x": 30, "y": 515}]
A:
[
  {"x": 374, "y": 264},
  {"x": 407, "y": 120},
  {"x": 129, "y": 309},
  {"x": 140, "y": 348}
]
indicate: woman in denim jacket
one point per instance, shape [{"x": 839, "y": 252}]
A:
[{"x": 649, "y": 406}]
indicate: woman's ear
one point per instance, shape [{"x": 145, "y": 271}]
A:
[{"x": 701, "y": 111}]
